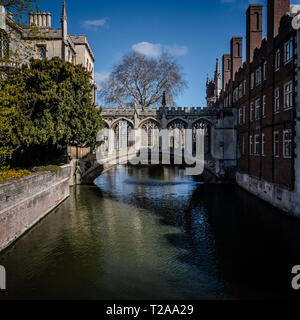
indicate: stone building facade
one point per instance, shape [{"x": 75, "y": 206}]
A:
[
  {"x": 40, "y": 41},
  {"x": 263, "y": 89}
]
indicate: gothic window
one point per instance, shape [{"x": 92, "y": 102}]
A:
[
  {"x": 4, "y": 44},
  {"x": 205, "y": 128},
  {"x": 150, "y": 134},
  {"x": 175, "y": 127},
  {"x": 122, "y": 131}
]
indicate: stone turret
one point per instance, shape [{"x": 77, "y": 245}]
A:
[{"x": 217, "y": 79}]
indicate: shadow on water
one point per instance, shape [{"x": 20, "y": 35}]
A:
[{"x": 154, "y": 233}]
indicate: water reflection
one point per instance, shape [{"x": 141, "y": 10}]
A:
[{"x": 153, "y": 233}]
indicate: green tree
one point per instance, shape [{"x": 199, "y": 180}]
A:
[
  {"x": 11, "y": 90},
  {"x": 56, "y": 107}
]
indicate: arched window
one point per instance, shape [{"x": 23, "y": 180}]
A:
[
  {"x": 175, "y": 127},
  {"x": 204, "y": 126},
  {"x": 122, "y": 132},
  {"x": 150, "y": 134},
  {"x": 4, "y": 44}
]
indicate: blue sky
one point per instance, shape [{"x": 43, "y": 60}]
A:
[{"x": 197, "y": 32}]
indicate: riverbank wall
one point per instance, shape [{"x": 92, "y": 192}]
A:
[
  {"x": 24, "y": 202},
  {"x": 281, "y": 198}
]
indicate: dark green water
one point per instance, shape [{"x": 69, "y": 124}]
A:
[{"x": 153, "y": 233}]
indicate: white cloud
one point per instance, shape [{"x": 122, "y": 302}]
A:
[
  {"x": 101, "y": 77},
  {"x": 95, "y": 24},
  {"x": 148, "y": 49},
  {"x": 176, "y": 50},
  {"x": 153, "y": 50}
]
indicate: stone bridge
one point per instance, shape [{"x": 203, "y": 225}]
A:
[{"x": 220, "y": 137}]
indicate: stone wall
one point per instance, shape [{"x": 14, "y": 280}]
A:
[
  {"x": 25, "y": 202},
  {"x": 277, "y": 196}
]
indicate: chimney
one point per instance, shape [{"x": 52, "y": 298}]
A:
[
  {"x": 254, "y": 29},
  {"x": 276, "y": 10},
  {"x": 2, "y": 18},
  {"x": 236, "y": 54},
  {"x": 226, "y": 69},
  {"x": 49, "y": 20}
]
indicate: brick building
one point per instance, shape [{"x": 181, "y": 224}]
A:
[{"x": 263, "y": 90}]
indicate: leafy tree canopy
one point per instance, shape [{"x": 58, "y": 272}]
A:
[{"x": 54, "y": 106}]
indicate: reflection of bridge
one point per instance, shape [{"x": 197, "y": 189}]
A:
[{"x": 218, "y": 125}]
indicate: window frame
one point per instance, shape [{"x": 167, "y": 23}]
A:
[
  {"x": 258, "y": 77},
  {"x": 276, "y": 98},
  {"x": 257, "y": 145},
  {"x": 252, "y": 81},
  {"x": 257, "y": 109},
  {"x": 290, "y": 95},
  {"x": 290, "y": 47},
  {"x": 284, "y": 141},
  {"x": 276, "y": 144}
]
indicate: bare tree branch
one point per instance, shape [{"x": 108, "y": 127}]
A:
[{"x": 141, "y": 80}]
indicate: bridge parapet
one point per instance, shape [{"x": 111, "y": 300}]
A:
[{"x": 200, "y": 112}]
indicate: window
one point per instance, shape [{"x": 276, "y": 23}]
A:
[
  {"x": 276, "y": 144},
  {"x": 277, "y": 100},
  {"x": 240, "y": 90},
  {"x": 244, "y": 114},
  {"x": 258, "y": 76},
  {"x": 244, "y": 87},
  {"x": 251, "y": 145},
  {"x": 240, "y": 116},
  {"x": 252, "y": 80},
  {"x": 264, "y": 106},
  {"x": 287, "y": 144},
  {"x": 277, "y": 60},
  {"x": 251, "y": 111},
  {"x": 257, "y": 109},
  {"x": 288, "y": 51},
  {"x": 4, "y": 44},
  {"x": 42, "y": 52},
  {"x": 265, "y": 70},
  {"x": 263, "y": 141},
  {"x": 257, "y": 145},
  {"x": 288, "y": 95}
]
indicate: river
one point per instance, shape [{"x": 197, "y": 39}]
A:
[{"x": 154, "y": 233}]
